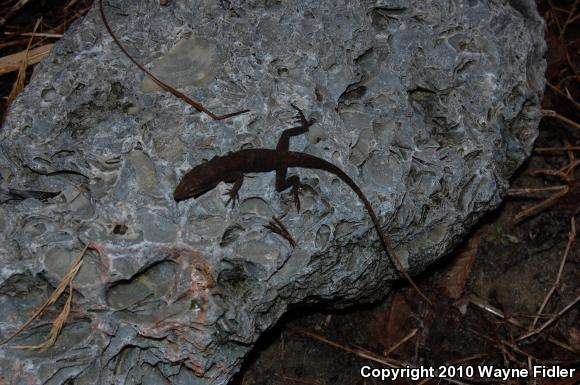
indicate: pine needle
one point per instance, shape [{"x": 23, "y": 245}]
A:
[
  {"x": 18, "y": 85},
  {"x": 56, "y": 328},
  {"x": 59, "y": 321}
]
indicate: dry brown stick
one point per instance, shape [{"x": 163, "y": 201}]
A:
[
  {"x": 565, "y": 173},
  {"x": 560, "y": 9},
  {"x": 197, "y": 105},
  {"x": 80, "y": 13},
  {"x": 569, "y": 19},
  {"x": 571, "y": 239},
  {"x": 356, "y": 351},
  {"x": 556, "y": 149},
  {"x": 401, "y": 342},
  {"x": 558, "y": 91},
  {"x": 480, "y": 303},
  {"x": 540, "y": 206},
  {"x": 363, "y": 353},
  {"x": 563, "y": 41},
  {"x": 571, "y": 166},
  {"x": 562, "y": 173},
  {"x": 528, "y": 192},
  {"x": 470, "y": 358},
  {"x": 40, "y": 34},
  {"x": 572, "y": 20},
  {"x": 13, "y": 43},
  {"x": 12, "y": 62},
  {"x": 498, "y": 343},
  {"x": 571, "y": 159},
  {"x": 551, "y": 320},
  {"x": 518, "y": 349},
  {"x": 20, "y": 81},
  {"x": 15, "y": 8},
  {"x": 298, "y": 380},
  {"x": 69, "y": 5},
  {"x": 76, "y": 13},
  {"x": 556, "y": 19},
  {"x": 563, "y": 119}
]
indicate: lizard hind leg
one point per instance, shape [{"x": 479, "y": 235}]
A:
[
  {"x": 233, "y": 192},
  {"x": 283, "y": 183},
  {"x": 296, "y": 187}
]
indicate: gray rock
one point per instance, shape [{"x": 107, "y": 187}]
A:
[{"x": 429, "y": 105}]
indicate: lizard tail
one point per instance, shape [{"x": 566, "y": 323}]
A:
[
  {"x": 384, "y": 240},
  {"x": 387, "y": 245},
  {"x": 317, "y": 163}
]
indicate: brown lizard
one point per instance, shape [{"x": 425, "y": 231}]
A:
[
  {"x": 231, "y": 168},
  {"x": 197, "y": 105}
]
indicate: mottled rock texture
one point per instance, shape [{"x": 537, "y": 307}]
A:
[{"x": 430, "y": 105}]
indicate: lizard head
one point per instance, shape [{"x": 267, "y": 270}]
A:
[{"x": 196, "y": 182}]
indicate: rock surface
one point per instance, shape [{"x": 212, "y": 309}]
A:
[{"x": 429, "y": 105}]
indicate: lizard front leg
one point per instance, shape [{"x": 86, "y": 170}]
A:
[{"x": 284, "y": 141}]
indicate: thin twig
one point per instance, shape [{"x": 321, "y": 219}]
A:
[
  {"x": 570, "y": 168},
  {"x": 561, "y": 93},
  {"x": 69, "y": 5},
  {"x": 39, "y": 34},
  {"x": 562, "y": 173},
  {"x": 563, "y": 119},
  {"x": 481, "y": 304},
  {"x": 566, "y": 173},
  {"x": 540, "y": 206},
  {"x": 570, "y": 19},
  {"x": 518, "y": 349},
  {"x": 197, "y": 105},
  {"x": 299, "y": 380},
  {"x": 18, "y": 85},
  {"x": 363, "y": 353},
  {"x": 477, "y": 356},
  {"x": 571, "y": 239},
  {"x": 551, "y": 320},
  {"x": 556, "y": 149},
  {"x": 12, "y": 11},
  {"x": 390, "y": 362},
  {"x": 13, "y": 43},
  {"x": 401, "y": 342},
  {"x": 528, "y": 192},
  {"x": 556, "y": 19},
  {"x": 563, "y": 41},
  {"x": 571, "y": 160},
  {"x": 500, "y": 344}
]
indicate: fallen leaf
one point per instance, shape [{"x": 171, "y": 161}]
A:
[{"x": 453, "y": 280}]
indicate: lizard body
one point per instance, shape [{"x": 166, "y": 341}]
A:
[{"x": 231, "y": 168}]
